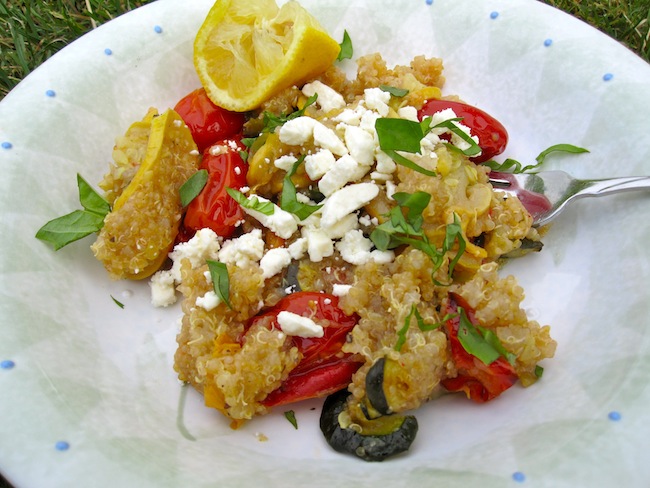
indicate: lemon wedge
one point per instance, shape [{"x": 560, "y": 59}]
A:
[{"x": 248, "y": 50}]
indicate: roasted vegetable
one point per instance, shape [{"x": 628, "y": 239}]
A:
[
  {"x": 385, "y": 370},
  {"x": 142, "y": 226},
  {"x": 347, "y": 429}
]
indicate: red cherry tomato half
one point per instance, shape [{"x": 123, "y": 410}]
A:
[
  {"x": 492, "y": 135},
  {"x": 213, "y": 208},
  {"x": 207, "y": 122},
  {"x": 481, "y": 382},
  {"x": 323, "y": 369}
]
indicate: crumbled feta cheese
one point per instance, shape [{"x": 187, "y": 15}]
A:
[
  {"x": 380, "y": 177},
  {"x": 345, "y": 170},
  {"x": 327, "y": 139},
  {"x": 355, "y": 247},
  {"x": 391, "y": 188},
  {"x": 319, "y": 245},
  {"x": 298, "y": 248},
  {"x": 280, "y": 221},
  {"x": 301, "y": 130},
  {"x": 217, "y": 149},
  {"x": 408, "y": 113},
  {"x": 297, "y": 131},
  {"x": 368, "y": 121},
  {"x": 345, "y": 201},
  {"x": 285, "y": 162},
  {"x": 339, "y": 290},
  {"x": 346, "y": 224},
  {"x": 385, "y": 163},
  {"x": 360, "y": 144},
  {"x": 382, "y": 257},
  {"x": 348, "y": 117},
  {"x": 319, "y": 163},
  {"x": 202, "y": 246},
  {"x": 209, "y": 301},
  {"x": 243, "y": 250},
  {"x": 163, "y": 290},
  {"x": 328, "y": 98},
  {"x": 297, "y": 325},
  {"x": 274, "y": 261},
  {"x": 377, "y": 100}
]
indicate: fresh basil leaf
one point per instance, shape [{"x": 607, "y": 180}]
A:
[
  {"x": 399, "y": 159},
  {"x": 346, "y": 47},
  {"x": 514, "y": 166},
  {"x": 70, "y": 227},
  {"x": 492, "y": 339},
  {"x": 90, "y": 199},
  {"x": 272, "y": 121},
  {"x": 288, "y": 199},
  {"x": 415, "y": 203},
  {"x": 248, "y": 141},
  {"x": 454, "y": 233},
  {"x": 290, "y": 415},
  {"x": 193, "y": 186},
  {"x": 567, "y": 148},
  {"x": 473, "y": 342},
  {"x": 508, "y": 166},
  {"x": 252, "y": 203},
  {"x": 393, "y": 90},
  {"x": 220, "y": 280},
  {"x": 401, "y": 334},
  {"x": 117, "y": 302},
  {"x": 422, "y": 325},
  {"x": 399, "y": 135}
]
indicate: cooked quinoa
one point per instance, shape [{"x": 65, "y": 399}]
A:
[{"x": 236, "y": 368}]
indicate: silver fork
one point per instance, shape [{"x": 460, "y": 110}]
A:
[{"x": 546, "y": 194}]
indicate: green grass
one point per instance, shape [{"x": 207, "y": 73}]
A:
[
  {"x": 627, "y": 21},
  {"x": 32, "y": 30}
]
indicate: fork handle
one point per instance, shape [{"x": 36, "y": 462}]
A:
[{"x": 615, "y": 185}]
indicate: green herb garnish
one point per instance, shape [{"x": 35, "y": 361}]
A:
[
  {"x": 539, "y": 371},
  {"x": 290, "y": 415},
  {"x": 480, "y": 342},
  {"x": 220, "y": 280},
  {"x": 404, "y": 226},
  {"x": 473, "y": 342},
  {"x": 79, "y": 223},
  {"x": 289, "y": 201},
  {"x": 422, "y": 325},
  {"x": 252, "y": 203},
  {"x": 193, "y": 186},
  {"x": 272, "y": 121},
  {"x": 492, "y": 339},
  {"x": 393, "y": 90},
  {"x": 514, "y": 166},
  {"x": 405, "y": 135},
  {"x": 346, "y": 47},
  {"x": 117, "y": 302},
  {"x": 248, "y": 141}
]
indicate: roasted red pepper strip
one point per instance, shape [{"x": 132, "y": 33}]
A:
[
  {"x": 323, "y": 369},
  {"x": 481, "y": 382}
]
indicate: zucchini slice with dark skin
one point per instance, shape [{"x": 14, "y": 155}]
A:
[
  {"x": 384, "y": 371},
  {"x": 370, "y": 440}
]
